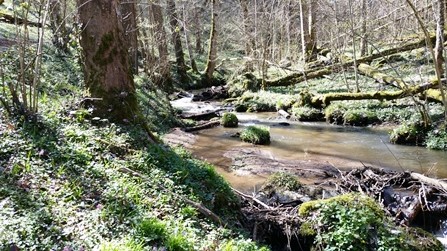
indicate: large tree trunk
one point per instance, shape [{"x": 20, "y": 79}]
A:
[
  {"x": 106, "y": 63},
  {"x": 212, "y": 49},
  {"x": 176, "y": 39},
  {"x": 162, "y": 45}
]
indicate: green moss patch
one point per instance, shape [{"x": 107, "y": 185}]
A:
[
  {"x": 229, "y": 120},
  {"x": 258, "y": 135}
]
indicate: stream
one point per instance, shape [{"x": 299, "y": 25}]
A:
[{"x": 343, "y": 147}]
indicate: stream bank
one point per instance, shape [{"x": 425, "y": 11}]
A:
[{"x": 246, "y": 167}]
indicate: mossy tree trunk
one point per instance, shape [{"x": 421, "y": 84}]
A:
[
  {"x": 106, "y": 63},
  {"x": 212, "y": 49},
  {"x": 320, "y": 101},
  {"x": 176, "y": 39}
]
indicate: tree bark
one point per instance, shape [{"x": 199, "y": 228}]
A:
[
  {"x": 308, "y": 34},
  {"x": 439, "y": 47},
  {"x": 162, "y": 45},
  {"x": 176, "y": 39},
  {"x": 212, "y": 49},
  {"x": 364, "y": 38},
  {"x": 106, "y": 63},
  {"x": 128, "y": 11}
]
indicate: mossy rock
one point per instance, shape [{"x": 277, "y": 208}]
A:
[
  {"x": 258, "y": 135},
  {"x": 334, "y": 114},
  {"x": 409, "y": 134},
  {"x": 305, "y": 113},
  {"x": 282, "y": 181},
  {"x": 229, "y": 120},
  {"x": 360, "y": 118}
]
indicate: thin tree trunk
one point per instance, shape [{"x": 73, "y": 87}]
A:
[
  {"x": 188, "y": 46},
  {"x": 176, "y": 39},
  {"x": 161, "y": 40},
  {"x": 307, "y": 18},
  {"x": 197, "y": 30},
  {"x": 128, "y": 11},
  {"x": 212, "y": 50},
  {"x": 248, "y": 36},
  {"x": 364, "y": 38},
  {"x": 439, "y": 47}
]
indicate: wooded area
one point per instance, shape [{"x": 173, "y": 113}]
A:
[{"x": 87, "y": 92}]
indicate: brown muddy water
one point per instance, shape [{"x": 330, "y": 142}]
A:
[{"x": 342, "y": 147}]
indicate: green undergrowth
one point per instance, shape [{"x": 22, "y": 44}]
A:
[
  {"x": 65, "y": 184},
  {"x": 356, "y": 222}
]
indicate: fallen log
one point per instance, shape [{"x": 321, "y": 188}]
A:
[
  {"x": 326, "y": 70},
  {"x": 10, "y": 19},
  {"x": 201, "y": 116},
  {"x": 380, "y": 77},
  {"x": 324, "y": 100},
  {"x": 284, "y": 114},
  {"x": 202, "y": 126},
  {"x": 430, "y": 181}
]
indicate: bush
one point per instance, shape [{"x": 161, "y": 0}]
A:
[
  {"x": 229, "y": 120},
  {"x": 437, "y": 139},
  {"x": 259, "y": 135}
]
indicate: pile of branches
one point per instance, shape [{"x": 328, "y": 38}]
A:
[{"x": 405, "y": 196}]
